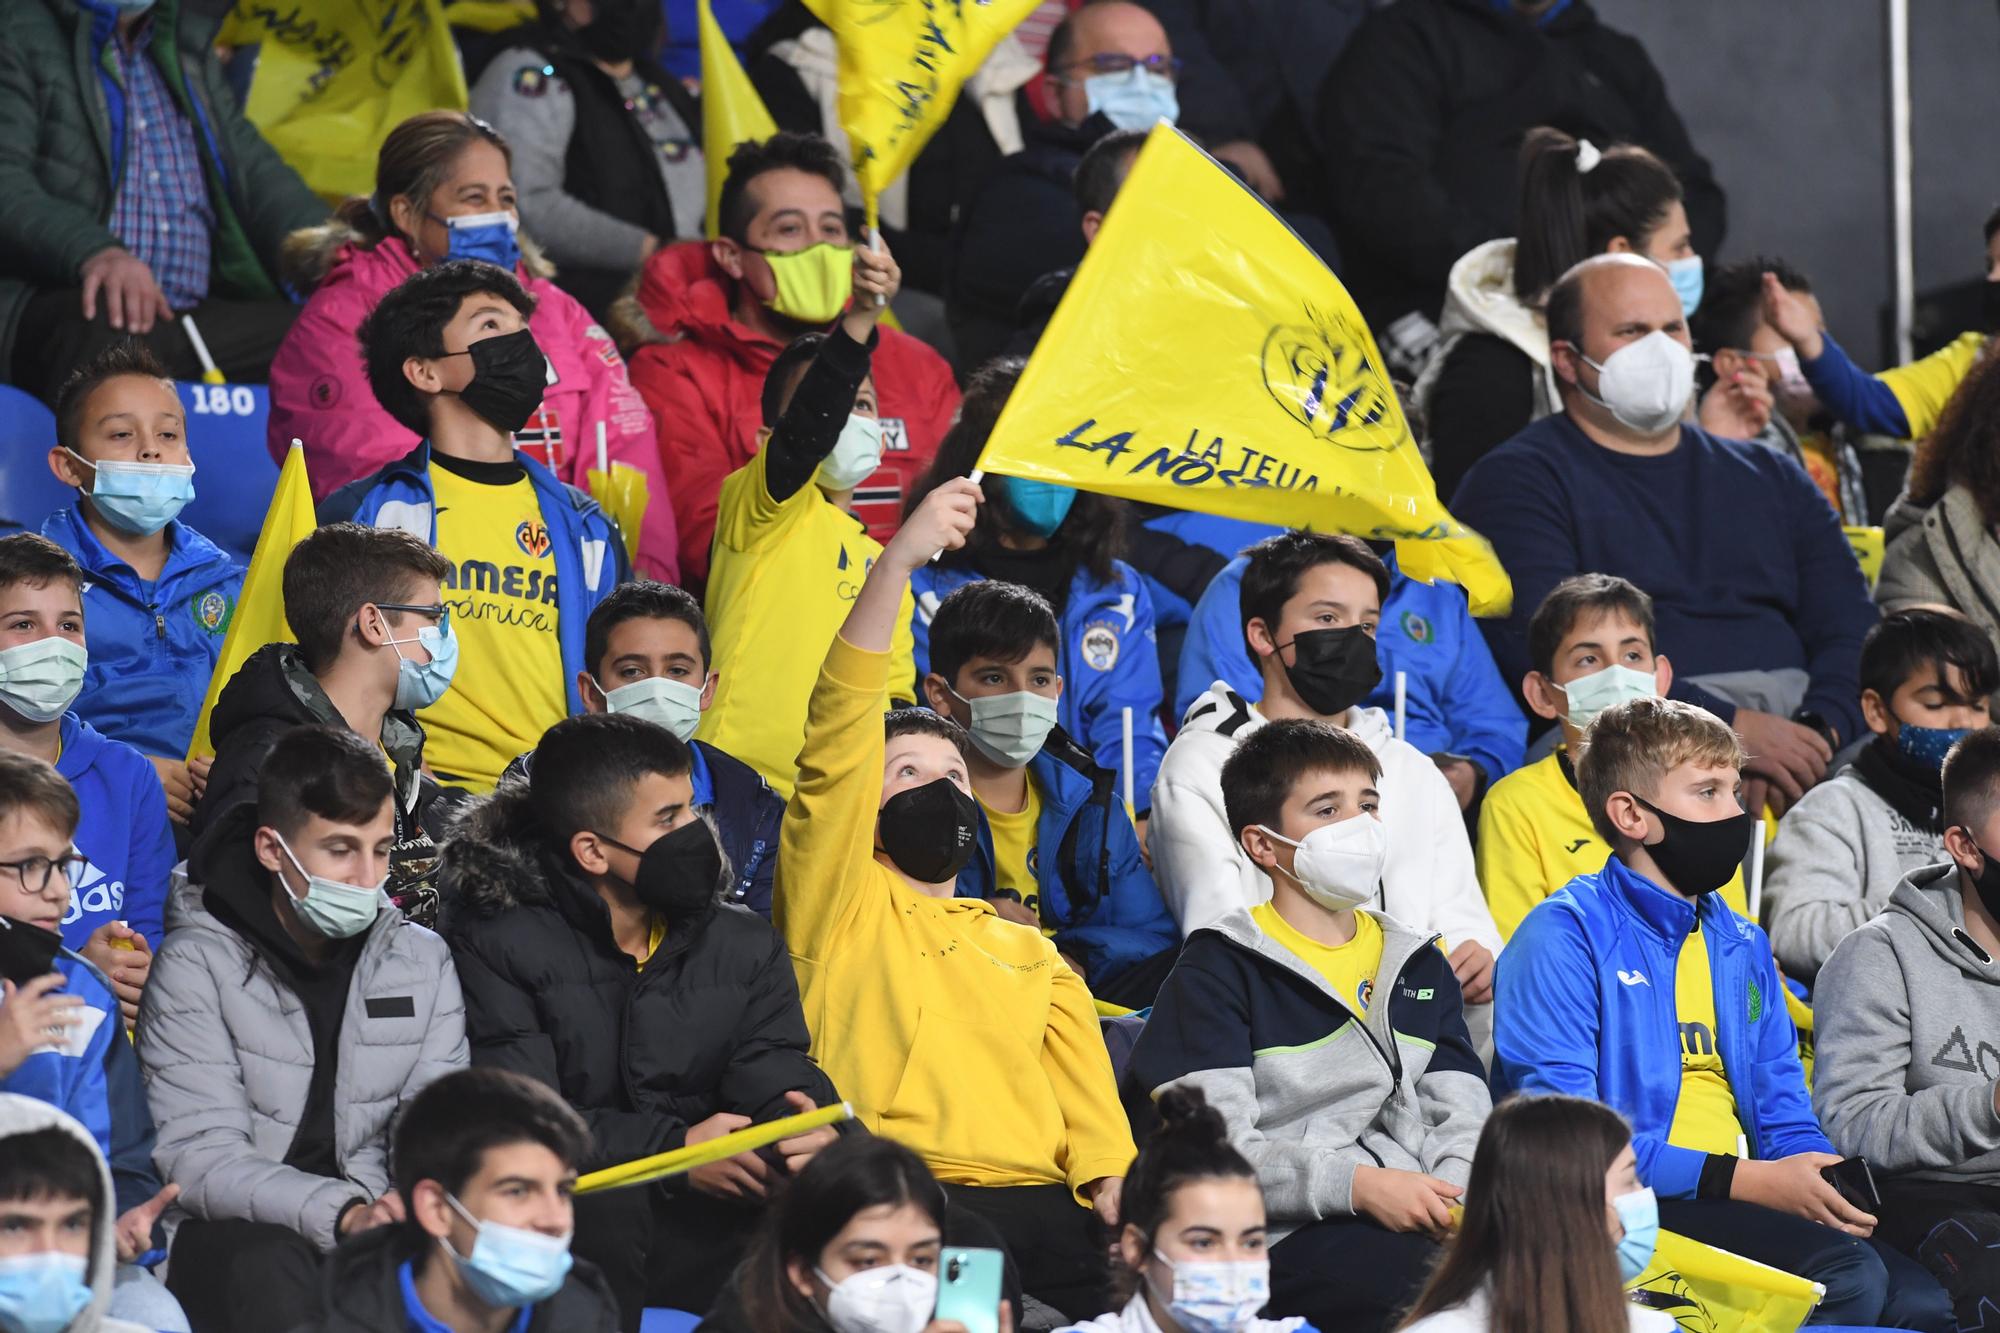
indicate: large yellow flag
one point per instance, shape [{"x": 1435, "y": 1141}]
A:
[
  {"x": 731, "y": 111},
  {"x": 260, "y": 607},
  {"x": 902, "y": 63},
  {"x": 1204, "y": 358},
  {"x": 335, "y": 76},
  {"x": 1707, "y": 1290}
]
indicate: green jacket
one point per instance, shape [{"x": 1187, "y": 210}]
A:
[{"x": 56, "y": 156}]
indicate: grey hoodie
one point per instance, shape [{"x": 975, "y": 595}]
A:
[
  {"x": 1908, "y": 1040},
  {"x": 29, "y": 1115}
]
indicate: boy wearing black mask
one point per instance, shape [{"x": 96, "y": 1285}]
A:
[
  {"x": 1310, "y": 606},
  {"x": 584, "y": 907},
  {"x": 450, "y": 356},
  {"x": 1638, "y": 986},
  {"x": 954, "y": 1031}
]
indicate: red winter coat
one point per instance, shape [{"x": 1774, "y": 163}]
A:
[{"x": 706, "y": 390}]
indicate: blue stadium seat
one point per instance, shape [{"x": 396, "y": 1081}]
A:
[
  {"x": 234, "y": 475},
  {"x": 29, "y": 492},
  {"x": 668, "y": 1321}
]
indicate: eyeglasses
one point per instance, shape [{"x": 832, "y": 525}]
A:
[
  {"x": 437, "y": 611},
  {"x": 36, "y": 871},
  {"x": 1112, "y": 62}
]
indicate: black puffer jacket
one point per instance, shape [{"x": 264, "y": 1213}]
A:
[
  {"x": 1423, "y": 115},
  {"x": 712, "y": 1023},
  {"x": 362, "y": 1291},
  {"x": 268, "y": 696}
]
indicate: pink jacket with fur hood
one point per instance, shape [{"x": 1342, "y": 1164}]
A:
[{"x": 320, "y": 394}]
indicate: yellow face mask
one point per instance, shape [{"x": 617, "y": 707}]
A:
[{"x": 814, "y": 284}]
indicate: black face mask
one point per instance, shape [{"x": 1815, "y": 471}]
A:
[
  {"x": 1987, "y": 881},
  {"x": 1699, "y": 858},
  {"x": 621, "y": 30},
  {"x": 509, "y": 376},
  {"x": 1333, "y": 669},
  {"x": 680, "y": 874},
  {"x": 1989, "y": 306},
  {"x": 930, "y": 831}
]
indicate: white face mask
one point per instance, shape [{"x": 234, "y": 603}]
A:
[
  {"x": 1010, "y": 729},
  {"x": 337, "y": 910},
  {"x": 1339, "y": 865},
  {"x": 672, "y": 704},
  {"x": 893, "y": 1298},
  {"x": 1590, "y": 695},
  {"x": 1646, "y": 383},
  {"x": 855, "y": 455},
  {"x": 40, "y": 680},
  {"x": 1217, "y": 1296}
]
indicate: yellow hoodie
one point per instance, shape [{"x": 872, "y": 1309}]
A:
[{"x": 947, "y": 1028}]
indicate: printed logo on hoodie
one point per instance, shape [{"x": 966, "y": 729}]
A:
[{"x": 93, "y": 891}]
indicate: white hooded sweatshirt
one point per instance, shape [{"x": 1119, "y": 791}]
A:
[{"x": 1428, "y": 881}]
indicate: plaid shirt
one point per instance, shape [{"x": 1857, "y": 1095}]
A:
[{"x": 161, "y": 213}]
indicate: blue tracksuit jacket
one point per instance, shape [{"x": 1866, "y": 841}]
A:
[
  {"x": 152, "y": 645},
  {"x": 123, "y": 835},
  {"x": 1584, "y": 1004}
]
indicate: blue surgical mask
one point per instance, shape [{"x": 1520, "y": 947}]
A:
[
  {"x": 1639, "y": 1213},
  {"x": 1686, "y": 276},
  {"x": 1038, "y": 506},
  {"x": 138, "y": 499},
  {"x": 485, "y": 236},
  {"x": 42, "y": 1292},
  {"x": 1927, "y": 746},
  {"x": 510, "y": 1267},
  {"x": 1216, "y": 1296},
  {"x": 421, "y": 684},
  {"x": 1133, "y": 99}
]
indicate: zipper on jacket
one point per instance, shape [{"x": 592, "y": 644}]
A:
[{"x": 159, "y": 623}]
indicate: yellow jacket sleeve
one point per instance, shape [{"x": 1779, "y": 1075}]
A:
[
  {"x": 1099, "y": 1138},
  {"x": 1510, "y": 868},
  {"x": 826, "y": 844},
  {"x": 1924, "y": 386},
  {"x": 903, "y": 656},
  {"x": 746, "y": 517}
]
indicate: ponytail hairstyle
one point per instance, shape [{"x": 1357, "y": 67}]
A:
[
  {"x": 856, "y": 1173},
  {"x": 413, "y": 161},
  {"x": 1566, "y": 213},
  {"x": 1534, "y": 1235},
  {"x": 1190, "y": 1145}
]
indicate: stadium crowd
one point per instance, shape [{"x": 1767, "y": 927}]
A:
[{"x": 1207, "y": 926}]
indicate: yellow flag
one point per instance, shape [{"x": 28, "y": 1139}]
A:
[
  {"x": 901, "y": 66},
  {"x": 1707, "y": 1290},
  {"x": 731, "y": 111},
  {"x": 660, "y": 1165},
  {"x": 260, "y": 608},
  {"x": 1204, "y": 358},
  {"x": 335, "y": 76}
]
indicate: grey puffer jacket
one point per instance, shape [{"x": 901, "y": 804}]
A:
[
  {"x": 1943, "y": 554},
  {"x": 228, "y": 1057}
]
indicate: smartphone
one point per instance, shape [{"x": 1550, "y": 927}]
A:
[
  {"x": 1856, "y": 1184},
  {"x": 969, "y": 1288},
  {"x": 26, "y": 951}
]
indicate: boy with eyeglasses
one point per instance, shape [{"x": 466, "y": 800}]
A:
[
  {"x": 60, "y": 1040},
  {"x": 367, "y": 605}
]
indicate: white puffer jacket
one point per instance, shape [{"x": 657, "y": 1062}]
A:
[{"x": 1479, "y": 298}]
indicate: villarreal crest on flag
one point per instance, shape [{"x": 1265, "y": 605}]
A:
[{"x": 1204, "y": 358}]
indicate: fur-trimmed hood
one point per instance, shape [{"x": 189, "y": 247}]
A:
[{"x": 498, "y": 858}]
